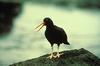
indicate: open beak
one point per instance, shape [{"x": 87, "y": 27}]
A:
[{"x": 41, "y": 25}]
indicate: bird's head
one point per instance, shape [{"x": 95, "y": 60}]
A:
[{"x": 46, "y": 22}]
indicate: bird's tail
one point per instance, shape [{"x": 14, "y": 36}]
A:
[{"x": 67, "y": 43}]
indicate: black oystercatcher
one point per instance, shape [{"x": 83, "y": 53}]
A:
[{"x": 54, "y": 34}]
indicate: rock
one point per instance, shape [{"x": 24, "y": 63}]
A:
[
  {"x": 8, "y": 11},
  {"x": 74, "y": 57}
]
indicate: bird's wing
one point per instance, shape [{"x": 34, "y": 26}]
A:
[{"x": 63, "y": 35}]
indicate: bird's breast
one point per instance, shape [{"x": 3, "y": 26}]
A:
[{"x": 53, "y": 36}]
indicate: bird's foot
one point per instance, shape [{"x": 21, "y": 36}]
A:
[
  {"x": 59, "y": 54},
  {"x": 55, "y": 55},
  {"x": 50, "y": 57}
]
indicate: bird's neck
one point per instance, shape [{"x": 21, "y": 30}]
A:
[{"x": 50, "y": 27}]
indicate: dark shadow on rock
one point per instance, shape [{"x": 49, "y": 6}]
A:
[
  {"x": 75, "y": 57},
  {"x": 8, "y": 11}
]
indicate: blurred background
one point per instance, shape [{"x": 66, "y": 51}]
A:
[{"x": 19, "y": 41}]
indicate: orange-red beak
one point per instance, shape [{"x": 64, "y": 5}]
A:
[{"x": 41, "y": 25}]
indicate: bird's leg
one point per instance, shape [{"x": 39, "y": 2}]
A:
[
  {"x": 58, "y": 54},
  {"x": 51, "y": 55}
]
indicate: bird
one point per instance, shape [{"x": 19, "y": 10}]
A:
[{"x": 54, "y": 35}]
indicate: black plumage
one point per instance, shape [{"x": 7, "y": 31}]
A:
[{"x": 54, "y": 34}]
